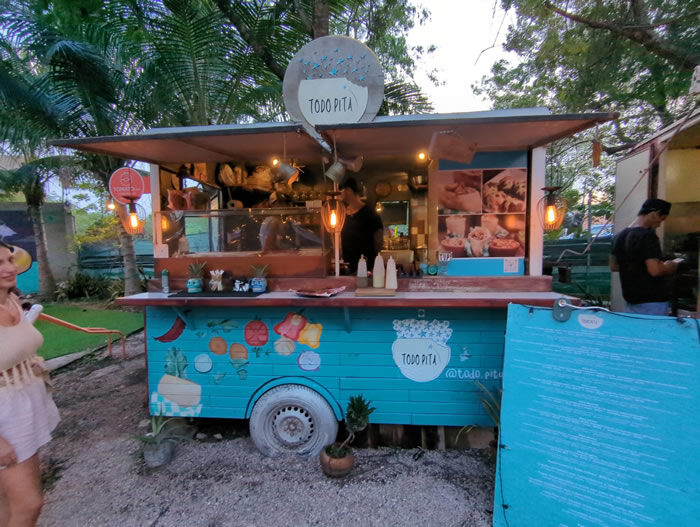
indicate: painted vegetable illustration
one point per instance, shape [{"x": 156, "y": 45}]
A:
[
  {"x": 174, "y": 385},
  {"x": 256, "y": 333},
  {"x": 238, "y": 351},
  {"x": 285, "y": 346},
  {"x": 291, "y": 326},
  {"x": 218, "y": 346},
  {"x": 174, "y": 332},
  {"x": 311, "y": 335},
  {"x": 216, "y": 328}
]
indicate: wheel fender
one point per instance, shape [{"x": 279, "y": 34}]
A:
[{"x": 303, "y": 381}]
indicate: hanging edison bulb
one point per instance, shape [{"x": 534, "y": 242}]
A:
[
  {"x": 133, "y": 223},
  {"x": 553, "y": 209},
  {"x": 333, "y": 212},
  {"x": 110, "y": 205}
]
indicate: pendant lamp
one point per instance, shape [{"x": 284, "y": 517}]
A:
[
  {"x": 552, "y": 209},
  {"x": 333, "y": 213}
]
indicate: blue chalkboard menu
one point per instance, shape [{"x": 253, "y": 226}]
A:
[{"x": 600, "y": 421}]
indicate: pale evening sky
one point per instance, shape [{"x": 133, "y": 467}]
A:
[{"x": 460, "y": 29}]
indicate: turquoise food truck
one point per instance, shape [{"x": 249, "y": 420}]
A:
[{"x": 461, "y": 200}]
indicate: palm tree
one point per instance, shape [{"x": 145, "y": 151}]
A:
[
  {"x": 29, "y": 179},
  {"x": 55, "y": 86},
  {"x": 121, "y": 66}
]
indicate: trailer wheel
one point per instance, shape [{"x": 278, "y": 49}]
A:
[{"x": 292, "y": 419}]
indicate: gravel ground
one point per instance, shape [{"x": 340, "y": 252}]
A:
[{"x": 96, "y": 478}]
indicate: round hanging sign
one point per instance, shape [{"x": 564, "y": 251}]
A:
[
  {"x": 333, "y": 80},
  {"x": 126, "y": 185}
]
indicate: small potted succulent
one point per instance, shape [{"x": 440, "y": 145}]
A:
[
  {"x": 195, "y": 271},
  {"x": 337, "y": 460},
  {"x": 159, "y": 444},
  {"x": 258, "y": 284}
]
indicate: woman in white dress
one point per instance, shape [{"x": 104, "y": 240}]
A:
[{"x": 28, "y": 415}]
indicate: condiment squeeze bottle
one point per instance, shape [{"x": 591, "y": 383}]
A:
[{"x": 378, "y": 272}]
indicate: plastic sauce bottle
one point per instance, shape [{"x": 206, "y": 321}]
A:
[
  {"x": 391, "y": 281},
  {"x": 362, "y": 280},
  {"x": 165, "y": 281},
  {"x": 378, "y": 272}
]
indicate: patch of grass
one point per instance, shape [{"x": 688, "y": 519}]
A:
[{"x": 60, "y": 341}]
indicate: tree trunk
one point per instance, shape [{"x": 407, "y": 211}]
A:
[
  {"x": 47, "y": 283},
  {"x": 132, "y": 280},
  {"x": 321, "y": 18}
]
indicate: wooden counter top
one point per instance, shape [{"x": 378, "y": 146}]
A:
[
  {"x": 402, "y": 299},
  {"x": 426, "y": 284}
]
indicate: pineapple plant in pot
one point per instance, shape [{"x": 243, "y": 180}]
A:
[
  {"x": 195, "y": 271},
  {"x": 337, "y": 460},
  {"x": 158, "y": 445},
  {"x": 258, "y": 284}
]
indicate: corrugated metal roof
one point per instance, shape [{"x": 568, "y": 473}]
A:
[{"x": 496, "y": 130}]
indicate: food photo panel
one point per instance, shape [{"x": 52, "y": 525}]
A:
[
  {"x": 505, "y": 191},
  {"x": 479, "y": 236},
  {"x": 459, "y": 191}
]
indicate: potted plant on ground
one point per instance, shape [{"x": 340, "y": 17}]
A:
[
  {"x": 159, "y": 442},
  {"x": 337, "y": 460},
  {"x": 195, "y": 271},
  {"x": 258, "y": 284}
]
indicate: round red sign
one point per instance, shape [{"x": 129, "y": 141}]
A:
[{"x": 126, "y": 185}]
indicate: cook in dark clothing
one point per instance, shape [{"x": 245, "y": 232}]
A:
[
  {"x": 363, "y": 230},
  {"x": 636, "y": 254}
]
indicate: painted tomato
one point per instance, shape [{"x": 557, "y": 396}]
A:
[
  {"x": 291, "y": 326},
  {"x": 256, "y": 333}
]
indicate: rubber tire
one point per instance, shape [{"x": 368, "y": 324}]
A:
[{"x": 301, "y": 405}]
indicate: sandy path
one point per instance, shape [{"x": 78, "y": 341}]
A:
[{"x": 99, "y": 479}]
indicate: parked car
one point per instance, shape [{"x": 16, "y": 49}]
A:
[{"x": 606, "y": 231}]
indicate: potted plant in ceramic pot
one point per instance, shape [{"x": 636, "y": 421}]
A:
[
  {"x": 337, "y": 460},
  {"x": 258, "y": 284},
  {"x": 195, "y": 271},
  {"x": 159, "y": 442}
]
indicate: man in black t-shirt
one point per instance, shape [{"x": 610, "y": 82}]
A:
[
  {"x": 636, "y": 254},
  {"x": 363, "y": 231}
]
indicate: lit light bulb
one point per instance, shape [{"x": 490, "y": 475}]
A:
[
  {"x": 421, "y": 156},
  {"x": 333, "y": 219},
  {"x": 111, "y": 205},
  {"x": 133, "y": 219},
  {"x": 379, "y": 207},
  {"x": 550, "y": 214},
  {"x": 275, "y": 162}
]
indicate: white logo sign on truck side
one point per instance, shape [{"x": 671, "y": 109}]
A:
[{"x": 420, "y": 350}]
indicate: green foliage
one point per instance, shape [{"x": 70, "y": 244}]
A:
[
  {"x": 84, "y": 286},
  {"x": 196, "y": 269},
  {"x": 259, "y": 271},
  {"x": 59, "y": 341},
  {"x": 572, "y": 65},
  {"x": 357, "y": 415},
  {"x": 492, "y": 404},
  {"x": 162, "y": 431},
  {"x": 96, "y": 227}
]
